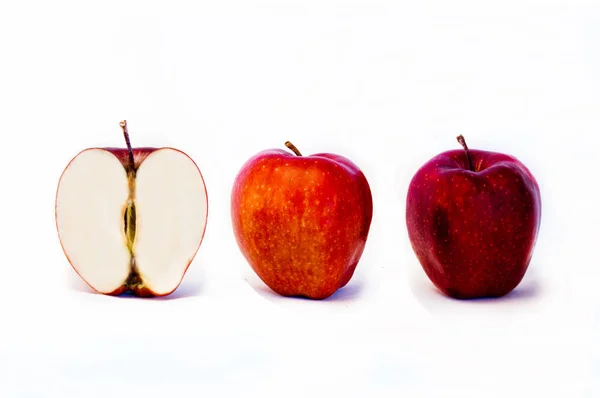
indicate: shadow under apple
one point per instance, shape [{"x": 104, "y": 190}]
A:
[
  {"x": 352, "y": 291},
  {"x": 529, "y": 290},
  {"x": 191, "y": 286}
]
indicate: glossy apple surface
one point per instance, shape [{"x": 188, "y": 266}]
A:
[
  {"x": 301, "y": 222},
  {"x": 473, "y": 218}
]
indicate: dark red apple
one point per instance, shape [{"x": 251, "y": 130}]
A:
[
  {"x": 473, "y": 219},
  {"x": 301, "y": 221}
]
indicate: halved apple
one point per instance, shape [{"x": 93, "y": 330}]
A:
[{"x": 131, "y": 219}]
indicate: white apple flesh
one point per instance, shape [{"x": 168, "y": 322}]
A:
[{"x": 131, "y": 220}]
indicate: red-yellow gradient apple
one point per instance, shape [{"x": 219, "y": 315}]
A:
[
  {"x": 131, "y": 219},
  {"x": 473, "y": 218},
  {"x": 301, "y": 221}
]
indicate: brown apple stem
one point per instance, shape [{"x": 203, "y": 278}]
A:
[
  {"x": 461, "y": 141},
  {"x": 123, "y": 125},
  {"x": 293, "y": 148}
]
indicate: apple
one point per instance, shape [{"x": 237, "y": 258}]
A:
[
  {"x": 473, "y": 218},
  {"x": 301, "y": 222},
  {"x": 131, "y": 219}
]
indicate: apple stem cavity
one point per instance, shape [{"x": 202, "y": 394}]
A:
[
  {"x": 461, "y": 141},
  {"x": 123, "y": 125},
  {"x": 293, "y": 148}
]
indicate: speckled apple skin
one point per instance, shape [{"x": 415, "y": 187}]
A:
[
  {"x": 301, "y": 222},
  {"x": 474, "y": 232}
]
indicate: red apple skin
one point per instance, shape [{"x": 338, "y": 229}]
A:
[
  {"x": 301, "y": 222},
  {"x": 139, "y": 155},
  {"x": 473, "y": 232}
]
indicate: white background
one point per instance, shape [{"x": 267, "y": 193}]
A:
[{"x": 387, "y": 84}]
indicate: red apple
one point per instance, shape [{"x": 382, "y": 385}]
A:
[
  {"x": 131, "y": 219},
  {"x": 301, "y": 221},
  {"x": 473, "y": 218}
]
